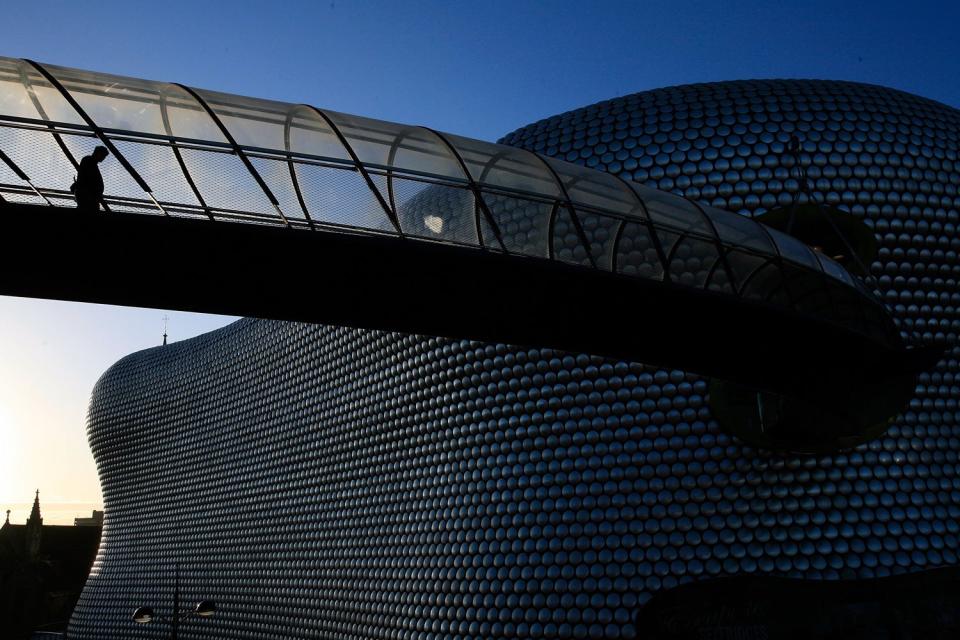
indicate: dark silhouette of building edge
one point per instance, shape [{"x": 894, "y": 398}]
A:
[{"x": 42, "y": 571}]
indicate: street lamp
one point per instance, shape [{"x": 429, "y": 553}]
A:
[{"x": 203, "y": 609}]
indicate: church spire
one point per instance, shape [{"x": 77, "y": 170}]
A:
[
  {"x": 34, "y": 529},
  {"x": 35, "y": 512}
]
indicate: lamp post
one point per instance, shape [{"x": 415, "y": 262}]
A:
[{"x": 203, "y": 609}]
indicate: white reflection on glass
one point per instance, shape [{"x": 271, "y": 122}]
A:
[{"x": 434, "y": 223}]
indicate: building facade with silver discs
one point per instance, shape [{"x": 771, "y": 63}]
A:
[{"x": 320, "y": 481}]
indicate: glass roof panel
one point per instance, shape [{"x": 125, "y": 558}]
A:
[
  {"x": 597, "y": 189},
  {"x": 14, "y": 98},
  {"x": 740, "y": 230},
  {"x": 397, "y": 146},
  {"x": 135, "y": 105},
  {"x": 504, "y": 167},
  {"x": 523, "y": 194},
  {"x": 114, "y": 102},
  {"x": 794, "y": 250},
  {"x": 674, "y": 211},
  {"x": 43, "y": 100},
  {"x": 833, "y": 268},
  {"x": 251, "y": 121},
  {"x": 187, "y": 118},
  {"x": 311, "y": 135}
]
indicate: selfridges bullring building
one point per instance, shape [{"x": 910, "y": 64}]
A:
[{"x": 321, "y": 481}]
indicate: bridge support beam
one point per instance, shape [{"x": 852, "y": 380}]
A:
[{"x": 397, "y": 284}]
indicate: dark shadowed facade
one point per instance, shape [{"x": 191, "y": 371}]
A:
[
  {"x": 330, "y": 482},
  {"x": 42, "y": 572}
]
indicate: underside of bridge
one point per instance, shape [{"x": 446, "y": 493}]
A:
[{"x": 410, "y": 286}]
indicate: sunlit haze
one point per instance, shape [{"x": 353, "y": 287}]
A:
[{"x": 53, "y": 353}]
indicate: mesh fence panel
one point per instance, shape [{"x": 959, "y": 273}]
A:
[
  {"x": 133, "y": 207},
  {"x": 39, "y": 156},
  {"x": 11, "y": 186},
  {"x": 341, "y": 197},
  {"x": 159, "y": 168},
  {"x": 20, "y": 198},
  {"x": 767, "y": 285},
  {"x": 566, "y": 242},
  {"x": 690, "y": 261},
  {"x": 382, "y": 187},
  {"x": 523, "y": 224},
  {"x": 435, "y": 211},
  {"x": 667, "y": 240},
  {"x": 226, "y": 183},
  {"x": 636, "y": 253},
  {"x": 62, "y": 201},
  {"x": 757, "y": 277},
  {"x": 487, "y": 234},
  {"x": 600, "y": 232},
  {"x": 276, "y": 173},
  {"x": 8, "y": 177},
  {"x": 718, "y": 279}
]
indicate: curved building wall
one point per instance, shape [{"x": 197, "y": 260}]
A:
[{"x": 330, "y": 482}]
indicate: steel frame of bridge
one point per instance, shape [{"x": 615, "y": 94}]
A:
[
  {"x": 812, "y": 310},
  {"x": 632, "y": 213}
]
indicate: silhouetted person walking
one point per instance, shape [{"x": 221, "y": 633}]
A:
[{"x": 89, "y": 185}]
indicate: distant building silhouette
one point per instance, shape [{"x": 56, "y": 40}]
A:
[
  {"x": 95, "y": 520},
  {"x": 34, "y": 528},
  {"x": 42, "y": 571}
]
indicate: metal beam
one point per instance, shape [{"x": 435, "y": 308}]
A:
[
  {"x": 779, "y": 262},
  {"x": 657, "y": 245},
  {"x": 43, "y": 114},
  {"x": 20, "y": 174},
  {"x": 179, "y": 156},
  {"x": 391, "y": 214},
  {"x": 648, "y": 227},
  {"x": 480, "y": 203},
  {"x": 292, "y": 169},
  {"x": 569, "y": 204},
  {"x": 721, "y": 252},
  {"x": 238, "y": 150}
]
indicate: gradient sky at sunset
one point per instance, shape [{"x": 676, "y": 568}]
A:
[{"x": 476, "y": 68}]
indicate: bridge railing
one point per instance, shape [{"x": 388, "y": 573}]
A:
[{"x": 192, "y": 153}]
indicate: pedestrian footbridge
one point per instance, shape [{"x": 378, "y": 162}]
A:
[{"x": 227, "y": 204}]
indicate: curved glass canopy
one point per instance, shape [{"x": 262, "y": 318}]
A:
[{"x": 193, "y": 153}]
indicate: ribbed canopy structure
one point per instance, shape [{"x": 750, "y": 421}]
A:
[{"x": 192, "y": 153}]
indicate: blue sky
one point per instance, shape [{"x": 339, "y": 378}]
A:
[
  {"x": 484, "y": 68},
  {"x": 479, "y": 69}
]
